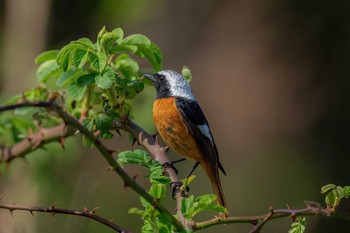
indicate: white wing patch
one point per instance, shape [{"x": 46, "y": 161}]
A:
[{"x": 206, "y": 132}]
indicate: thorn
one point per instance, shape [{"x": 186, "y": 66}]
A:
[
  {"x": 110, "y": 168},
  {"x": 125, "y": 185},
  {"x": 111, "y": 151},
  {"x": 53, "y": 206},
  {"x": 156, "y": 138},
  {"x": 166, "y": 149},
  {"x": 1, "y": 196},
  {"x": 118, "y": 132},
  {"x": 97, "y": 133},
  {"x": 35, "y": 145},
  {"x": 85, "y": 209},
  {"x": 31, "y": 212},
  {"x": 62, "y": 142},
  {"x": 155, "y": 135},
  {"x": 11, "y": 212},
  {"x": 93, "y": 211}
]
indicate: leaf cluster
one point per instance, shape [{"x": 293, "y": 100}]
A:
[
  {"x": 95, "y": 82},
  {"x": 334, "y": 194}
]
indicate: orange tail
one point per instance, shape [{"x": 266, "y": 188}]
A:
[{"x": 213, "y": 174}]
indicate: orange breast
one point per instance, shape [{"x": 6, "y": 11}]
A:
[{"x": 173, "y": 130}]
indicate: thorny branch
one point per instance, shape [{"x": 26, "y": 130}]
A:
[
  {"x": 36, "y": 140},
  {"x": 311, "y": 209},
  {"x": 53, "y": 210},
  {"x": 107, "y": 154}
]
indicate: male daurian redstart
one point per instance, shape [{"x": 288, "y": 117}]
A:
[{"x": 183, "y": 126}]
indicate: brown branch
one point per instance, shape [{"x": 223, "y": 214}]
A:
[
  {"x": 33, "y": 141},
  {"x": 53, "y": 210},
  {"x": 312, "y": 209}
]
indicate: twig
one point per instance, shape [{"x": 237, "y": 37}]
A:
[
  {"x": 107, "y": 154},
  {"x": 83, "y": 213},
  {"x": 32, "y": 141},
  {"x": 259, "y": 220},
  {"x": 267, "y": 217}
]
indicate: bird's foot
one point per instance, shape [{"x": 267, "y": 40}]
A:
[
  {"x": 177, "y": 188},
  {"x": 170, "y": 164}
]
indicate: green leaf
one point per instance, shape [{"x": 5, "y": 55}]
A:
[
  {"x": 136, "y": 211},
  {"x": 206, "y": 199},
  {"x": 84, "y": 43},
  {"x": 46, "y": 70},
  {"x": 145, "y": 203},
  {"x": 330, "y": 199},
  {"x": 187, "y": 181},
  {"x": 124, "y": 48},
  {"x": 158, "y": 191},
  {"x": 137, "y": 39},
  {"x": 298, "y": 226},
  {"x": 95, "y": 63},
  {"x": 140, "y": 157},
  {"x": 164, "y": 218},
  {"x": 153, "y": 55},
  {"x": 119, "y": 32},
  {"x": 66, "y": 55},
  {"x": 102, "y": 60},
  {"x": 86, "y": 79},
  {"x": 106, "y": 80},
  {"x": 86, "y": 142},
  {"x": 138, "y": 85},
  {"x": 187, "y": 74},
  {"x": 75, "y": 91},
  {"x": 88, "y": 123},
  {"x": 347, "y": 191},
  {"x": 46, "y": 56},
  {"x": 127, "y": 66},
  {"x": 68, "y": 76},
  {"x": 327, "y": 188},
  {"x": 98, "y": 61},
  {"x": 187, "y": 205},
  {"x": 80, "y": 57},
  {"x": 103, "y": 122}
]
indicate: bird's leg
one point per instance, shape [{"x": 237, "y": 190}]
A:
[
  {"x": 171, "y": 164},
  {"x": 194, "y": 168},
  {"x": 177, "y": 185}
]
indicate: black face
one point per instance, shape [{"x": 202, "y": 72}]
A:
[{"x": 161, "y": 83}]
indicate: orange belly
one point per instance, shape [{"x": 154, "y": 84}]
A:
[{"x": 173, "y": 130}]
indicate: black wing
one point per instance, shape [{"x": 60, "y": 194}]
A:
[{"x": 199, "y": 127}]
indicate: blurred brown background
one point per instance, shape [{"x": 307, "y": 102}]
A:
[{"x": 272, "y": 77}]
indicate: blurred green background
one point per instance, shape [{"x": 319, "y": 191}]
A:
[{"x": 272, "y": 77}]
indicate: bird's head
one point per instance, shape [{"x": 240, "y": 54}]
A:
[{"x": 169, "y": 83}]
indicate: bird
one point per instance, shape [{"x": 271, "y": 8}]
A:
[{"x": 181, "y": 123}]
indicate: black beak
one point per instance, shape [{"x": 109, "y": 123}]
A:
[{"x": 150, "y": 77}]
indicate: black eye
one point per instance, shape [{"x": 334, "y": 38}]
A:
[{"x": 161, "y": 78}]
